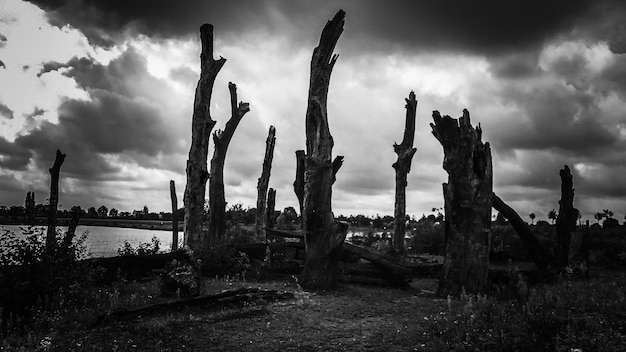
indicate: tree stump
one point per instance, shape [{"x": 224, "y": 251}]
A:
[
  {"x": 405, "y": 151},
  {"x": 51, "y": 238},
  {"x": 323, "y": 236},
  {"x": 201, "y": 126},
  {"x": 174, "y": 217},
  {"x": 566, "y": 220},
  {"x": 263, "y": 184},
  {"x": 467, "y": 196}
]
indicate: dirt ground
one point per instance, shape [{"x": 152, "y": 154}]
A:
[{"x": 350, "y": 318}]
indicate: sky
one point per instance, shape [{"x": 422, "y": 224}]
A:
[{"x": 111, "y": 84}]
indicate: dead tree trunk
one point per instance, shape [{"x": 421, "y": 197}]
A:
[
  {"x": 271, "y": 207},
  {"x": 298, "y": 184},
  {"x": 323, "y": 236},
  {"x": 174, "y": 218},
  {"x": 263, "y": 184},
  {"x": 54, "y": 200},
  {"x": 405, "y": 151},
  {"x": 201, "y": 126},
  {"x": 467, "y": 198},
  {"x": 541, "y": 257},
  {"x": 221, "y": 140},
  {"x": 566, "y": 220}
]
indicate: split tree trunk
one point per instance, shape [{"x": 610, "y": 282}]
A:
[
  {"x": 323, "y": 236},
  {"x": 174, "y": 218},
  {"x": 405, "y": 151},
  {"x": 298, "y": 184},
  {"x": 467, "y": 198},
  {"x": 566, "y": 220},
  {"x": 541, "y": 257},
  {"x": 221, "y": 140},
  {"x": 53, "y": 200},
  {"x": 201, "y": 126},
  {"x": 263, "y": 184}
]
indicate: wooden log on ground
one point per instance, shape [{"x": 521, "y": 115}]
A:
[
  {"x": 135, "y": 266},
  {"x": 372, "y": 274},
  {"x": 239, "y": 296}
]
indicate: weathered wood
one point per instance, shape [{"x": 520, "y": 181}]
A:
[
  {"x": 135, "y": 266},
  {"x": 201, "y": 126},
  {"x": 402, "y": 166},
  {"x": 263, "y": 184},
  {"x": 53, "y": 200},
  {"x": 372, "y": 274},
  {"x": 391, "y": 264},
  {"x": 298, "y": 184},
  {"x": 467, "y": 198},
  {"x": 566, "y": 220},
  {"x": 221, "y": 140},
  {"x": 174, "y": 218},
  {"x": 238, "y": 296},
  {"x": 323, "y": 236},
  {"x": 539, "y": 254},
  {"x": 269, "y": 212}
]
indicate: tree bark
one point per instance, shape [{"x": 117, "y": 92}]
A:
[
  {"x": 54, "y": 200},
  {"x": 174, "y": 218},
  {"x": 201, "y": 126},
  {"x": 263, "y": 184},
  {"x": 323, "y": 236},
  {"x": 298, "y": 184},
  {"x": 566, "y": 220},
  {"x": 221, "y": 140},
  {"x": 467, "y": 198},
  {"x": 269, "y": 212},
  {"x": 405, "y": 151},
  {"x": 541, "y": 257}
]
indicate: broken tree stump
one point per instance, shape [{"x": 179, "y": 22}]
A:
[
  {"x": 201, "y": 126},
  {"x": 402, "y": 166},
  {"x": 467, "y": 196},
  {"x": 174, "y": 217},
  {"x": 263, "y": 184},
  {"x": 566, "y": 220},
  {"x": 53, "y": 200}
]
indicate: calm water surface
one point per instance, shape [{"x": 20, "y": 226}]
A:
[{"x": 104, "y": 241}]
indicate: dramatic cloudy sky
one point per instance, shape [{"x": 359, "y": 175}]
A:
[{"x": 111, "y": 84}]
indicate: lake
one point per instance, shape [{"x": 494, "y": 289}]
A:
[{"x": 104, "y": 241}]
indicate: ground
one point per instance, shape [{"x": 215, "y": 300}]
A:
[{"x": 350, "y": 318}]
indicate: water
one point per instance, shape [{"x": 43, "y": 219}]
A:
[{"x": 104, "y": 241}]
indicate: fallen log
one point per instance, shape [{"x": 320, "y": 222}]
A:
[
  {"x": 393, "y": 265},
  {"x": 135, "y": 266},
  {"x": 372, "y": 274},
  {"x": 239, "y": 296}
]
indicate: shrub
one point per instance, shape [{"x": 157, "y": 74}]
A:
[{"x": 146, "y": 248}]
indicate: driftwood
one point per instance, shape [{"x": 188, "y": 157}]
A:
[
  {"x": 467, "y": 200},
  {"x": 201, "y": 126},
  {"x": 53, "y": 200},
  {"x": 402, "y": 166},
  {"x": 221, "y": 140},
  {"x": 239, "y": 296},
  {"x": 263, "y": 184},
  {"x": 566, "y": 220},
  {"x": 540, "y": 256},
  {"x": 174, "y": 217}
]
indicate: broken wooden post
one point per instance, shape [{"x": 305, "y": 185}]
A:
[
  {"x": 263, "y": 184},
  {"x": 221, "y": 140},
  {"x": 540, "y": 256},
  {"x": 269, "y": 212},
  {"x": 405, "y": 151},
  {"x": 467, "y": 198},
  {"x": 53, "y": 200},
  {"x": 174, "y": 218},
  {"x": 323, "y": 235},
  {"x": 201, "y": 126},
  {"x": 566, "y": 220}
]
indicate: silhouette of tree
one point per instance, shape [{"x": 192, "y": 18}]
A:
[
  {"x": 532, "y": 217},
  {"x": 103, "y": 211},
  {"x": 552, "y": 215}
]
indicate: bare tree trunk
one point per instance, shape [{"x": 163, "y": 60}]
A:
[
  {"x": 174, "y": 218},
  {"x": 221, "y": 140},
  {"x": 298, "y": 184},
  {"x": 263, "y": 184},
  {"x": 201, "y": 126},
  {"x": 323, "y": 235},
  {"x": 269, "y": 213},
  {"x": 566, "y": 220},
  {"x": 54, "y": 200},
  {"x": 467, "y": 198},
  {"x": 405, "y": 151},
  {"x": 541, "y": 257}
]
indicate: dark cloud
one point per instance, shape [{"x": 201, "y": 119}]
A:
[
  {"x": 6, "y": 112},
  {"x": 13, "y": 157},
  {"x": 484, "y": 26},
  {"x": 516, "y": 66}
]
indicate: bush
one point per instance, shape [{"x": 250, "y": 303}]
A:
[{"x": 146, "y": 248}]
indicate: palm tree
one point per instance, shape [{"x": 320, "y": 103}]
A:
[
  {"x": 552, "y": 215},
  {"x": 532, "y": 218}
]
